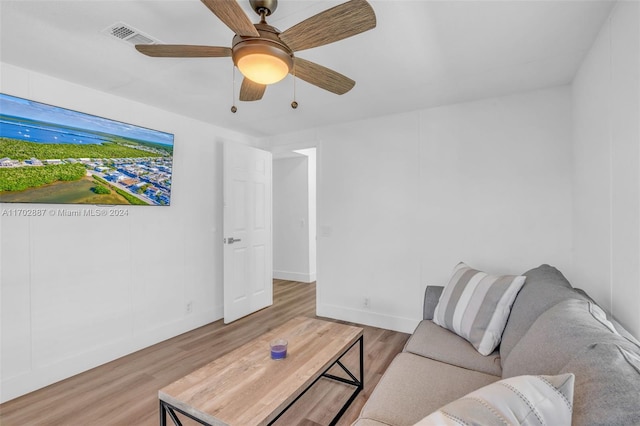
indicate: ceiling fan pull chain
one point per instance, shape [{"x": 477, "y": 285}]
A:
[
  {"x": 233, "y": 91},
  {"x": 294, "y": 104}
]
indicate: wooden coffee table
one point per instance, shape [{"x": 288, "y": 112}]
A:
[{"x": 246, "y": 387}]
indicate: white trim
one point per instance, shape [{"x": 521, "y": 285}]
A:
[
  {"x": 303, "y": 277},
  {"x": 38, "y": 378},
  {"x": 373, "y": 319}
]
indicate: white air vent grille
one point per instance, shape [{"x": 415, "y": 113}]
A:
[
  {"x": 121, "y": 31},
  {"x": 127, "y": 33}
]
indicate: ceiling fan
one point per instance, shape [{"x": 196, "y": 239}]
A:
[{"x": 264, "y": 55}]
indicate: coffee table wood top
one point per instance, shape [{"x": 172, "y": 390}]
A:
[{"x": 246, "y": 387}]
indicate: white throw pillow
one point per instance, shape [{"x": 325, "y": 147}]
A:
[
  {"x": 476, "y": 306},
  {"x": 520, "y": 400}
]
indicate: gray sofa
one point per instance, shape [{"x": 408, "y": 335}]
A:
[{"x": 552, "y": 329}]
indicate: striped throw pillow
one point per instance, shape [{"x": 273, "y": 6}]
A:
[
  {"x": 521, "y": 400},
  {"x": 476, "y": 305}
]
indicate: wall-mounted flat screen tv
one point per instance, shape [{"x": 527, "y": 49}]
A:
[{"x": 55, "y": 155}]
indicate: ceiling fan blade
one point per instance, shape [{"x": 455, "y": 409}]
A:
[
  {"x": 322, "y": 77},
  {"x": 183, "y": 51},
  {"x": 251, "y": 91},
  {"x": 230, "y": 12},
  {"x": 337, "y": 23}
]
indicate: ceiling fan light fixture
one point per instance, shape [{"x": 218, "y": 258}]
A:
[
  {"x": 263, "y": 68},
  {"x": 261, "y": 61}
]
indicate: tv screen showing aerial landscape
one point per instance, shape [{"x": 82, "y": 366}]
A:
[{"x": 55, "y": 155}]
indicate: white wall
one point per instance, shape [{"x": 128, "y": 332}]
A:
[
  {"x": 496, "y": 184},
  {"x": 402, "y": 199},
  {"x": 291, "y": 219},
  {"x": 77, "y": 292},
  {"x": 606, "y": 214}
]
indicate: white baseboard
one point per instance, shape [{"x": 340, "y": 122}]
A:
[
  {"x": 367, "y": 317},
  {"x": 37, "y": 378},
  {"x": 294, "y": 276}
]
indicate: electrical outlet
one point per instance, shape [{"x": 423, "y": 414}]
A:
[
  {"x": 366, "y": 303},
  {"x": 189, "y": 307}
]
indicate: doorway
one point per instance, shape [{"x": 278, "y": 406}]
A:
[{"x": 294, "y": 216}]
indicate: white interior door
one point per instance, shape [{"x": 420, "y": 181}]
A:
[{"x": 248, "y": 251}]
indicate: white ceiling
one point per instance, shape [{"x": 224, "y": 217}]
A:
[{"x": 421, "y": 54}]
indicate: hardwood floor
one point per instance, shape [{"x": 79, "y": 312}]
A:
[{"x": 125, "y": 391}]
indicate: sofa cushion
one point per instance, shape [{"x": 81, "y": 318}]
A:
[
  {"x": 432, "y": 341},
  {"x": 607, "y": 387},
  {"x": 556, "y": 336},
  {"x": 616, "y": 325},
  {"x": 521, "y": 400},
  {"x": 545, "y": 287},
  {"x": 476, "y": 305},
  {"x": 623, "y": 332},
  {"x": 414, "y": 386},
  {"x": 367, "y": 422}
]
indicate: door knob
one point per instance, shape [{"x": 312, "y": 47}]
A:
[{"x": 231, "y": 240}]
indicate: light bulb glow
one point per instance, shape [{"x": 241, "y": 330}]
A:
[{"x": 263, "y": 68}]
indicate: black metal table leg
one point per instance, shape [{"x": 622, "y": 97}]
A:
[
  {"x": 358, "y": 383},
  {"x": 166, "y": 408}
]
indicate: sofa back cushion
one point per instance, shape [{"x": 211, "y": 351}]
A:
[
  {"x": 557, "y": 335},
  {"x": 545, "y": 287},
  {"x": 607, "y": 385}
]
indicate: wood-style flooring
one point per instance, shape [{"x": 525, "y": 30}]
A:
[{"x": 125, "y": 391}]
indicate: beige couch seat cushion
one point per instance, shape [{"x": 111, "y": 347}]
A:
[
  {"x": 368, "y": 422},
  {"x": 414, "y": 387},
  {"x": 435, "y": 342}
]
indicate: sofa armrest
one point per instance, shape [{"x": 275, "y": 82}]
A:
[{"x": 431, "y": 297}]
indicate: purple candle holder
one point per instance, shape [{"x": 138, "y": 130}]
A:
[{"x": 279, "y": 349}]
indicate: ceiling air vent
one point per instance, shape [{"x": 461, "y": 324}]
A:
[{"x": 127, "y": 33}]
